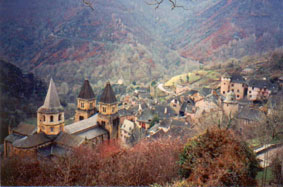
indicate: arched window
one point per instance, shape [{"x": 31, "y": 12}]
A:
[
  {"x": 104, "y": 109},
  {"x": 51, "y": 118},
  {"x": 60, "y": 117},
  {"x": 43, "y": 117},
  {"x": 81, "y": 118},
  {"x": 82, "y": 105}
]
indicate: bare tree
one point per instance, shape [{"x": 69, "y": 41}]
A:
[
  {"x": 173, "y": 3},
  {"x": 155, "y": 3}
]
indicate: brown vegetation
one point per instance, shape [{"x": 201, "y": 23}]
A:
[
  {"x": 218, "y": 158},
  {"x": 145, "y": 164}
]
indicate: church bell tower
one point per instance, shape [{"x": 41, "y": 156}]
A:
[
  {"x": 50, "y": 116},
  {"x": 108, "y": 116},
  {"x": 86, "y": 103}
]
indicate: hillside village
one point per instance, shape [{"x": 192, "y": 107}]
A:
[{"x": 177, "y": 108}]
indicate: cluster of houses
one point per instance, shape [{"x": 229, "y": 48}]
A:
[{"x": 139, "y": 115}]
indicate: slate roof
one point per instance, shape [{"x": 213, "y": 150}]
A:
[
  {"x": 134, "y": 109},
  {"x": 25, "y": 129},
  {"x": 52, "y": 101},
  {"x": 108, "y": 95},
  {"x": 52, "y": 150},
  {"x": 160, "y": 111},
  {"x": 158, "y": 135},
  {"x": 205, "y": 92},
  {"x": 13, "y": 137},
  {"x": 236, "y": 78},
  {"x": 251, "y": 115},
  {"x": 191, "y": 92},
  {"x": 92, "y": 133},
  {"x": 125, "y": 112},
  {"x": 178, "y": 123},
  {"x": 81, "y": 125},
  {"x": 68, "y": 140},
  {"x": 166, "y": 123},
  {"x": 260, "y": 84},
  {"x": 146, "y": 115},
  {"x": 86, "y": 91},
  {"x": 32, "y": 141}
]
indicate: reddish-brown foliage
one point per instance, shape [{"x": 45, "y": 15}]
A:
[
  {"x": 218, "y": 158},
  {"x": 107, "y": 164}
]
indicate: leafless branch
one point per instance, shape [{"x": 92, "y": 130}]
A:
[
  {"x": 173, "y": 3},
  {"x": 88, "y": 3}
]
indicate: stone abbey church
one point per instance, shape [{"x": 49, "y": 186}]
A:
[{"x": 52, "y": 138}]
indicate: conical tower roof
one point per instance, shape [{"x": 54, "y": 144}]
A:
[
  {"x": 52, "y": 101},
  {"x": 108, "y": 95},
  {"x": 86, "y": 91}
]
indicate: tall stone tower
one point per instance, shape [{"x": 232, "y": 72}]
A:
[
  {"x": 230, "y": 105},
  {"x": 50, "y": 116},
  {"x": 108, "y": 112},
  {"x": 86, "y": 103},
  {"x": 225, "y": 84}
]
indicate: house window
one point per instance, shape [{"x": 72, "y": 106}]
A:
[
  {"x": 113, "y": 109},
  {"x": 52, "y": 129},
  {"x": 242, "y": 85},
  {"x": 60, "y": 117},
  {"x": 232, "y": 85},
  {"x": 81, "y": 118},
  {"x": 238, "y": 90},
  {"x": 90, "y": 105},
  {"x": 82, "y": 105},
  {"x": 104, "y": 109},
  {"x": 238, "y": 96},
  {"x": 223, "y": 92},
  {"x": 51, "y": 118},
  {"x": 253, "y": 88},
  {"x": 43, "y": 117},
  {"x": 250, "y": 91}
]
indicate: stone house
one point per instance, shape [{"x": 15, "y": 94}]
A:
[
  {"x": 126, "y": 131},
  {"x": 234, "y": 83},
  {"x": 260, "y": 89}
]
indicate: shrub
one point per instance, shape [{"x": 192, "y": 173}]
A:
[
  {"x": 218, "y": 158},
  {"x": 107, "y": 164}
]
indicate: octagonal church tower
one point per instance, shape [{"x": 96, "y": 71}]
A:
[
  {"x": 50, "y": 116},
  {"x": 108, "y": 116},
  {"x": 86, "y": 103}
]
